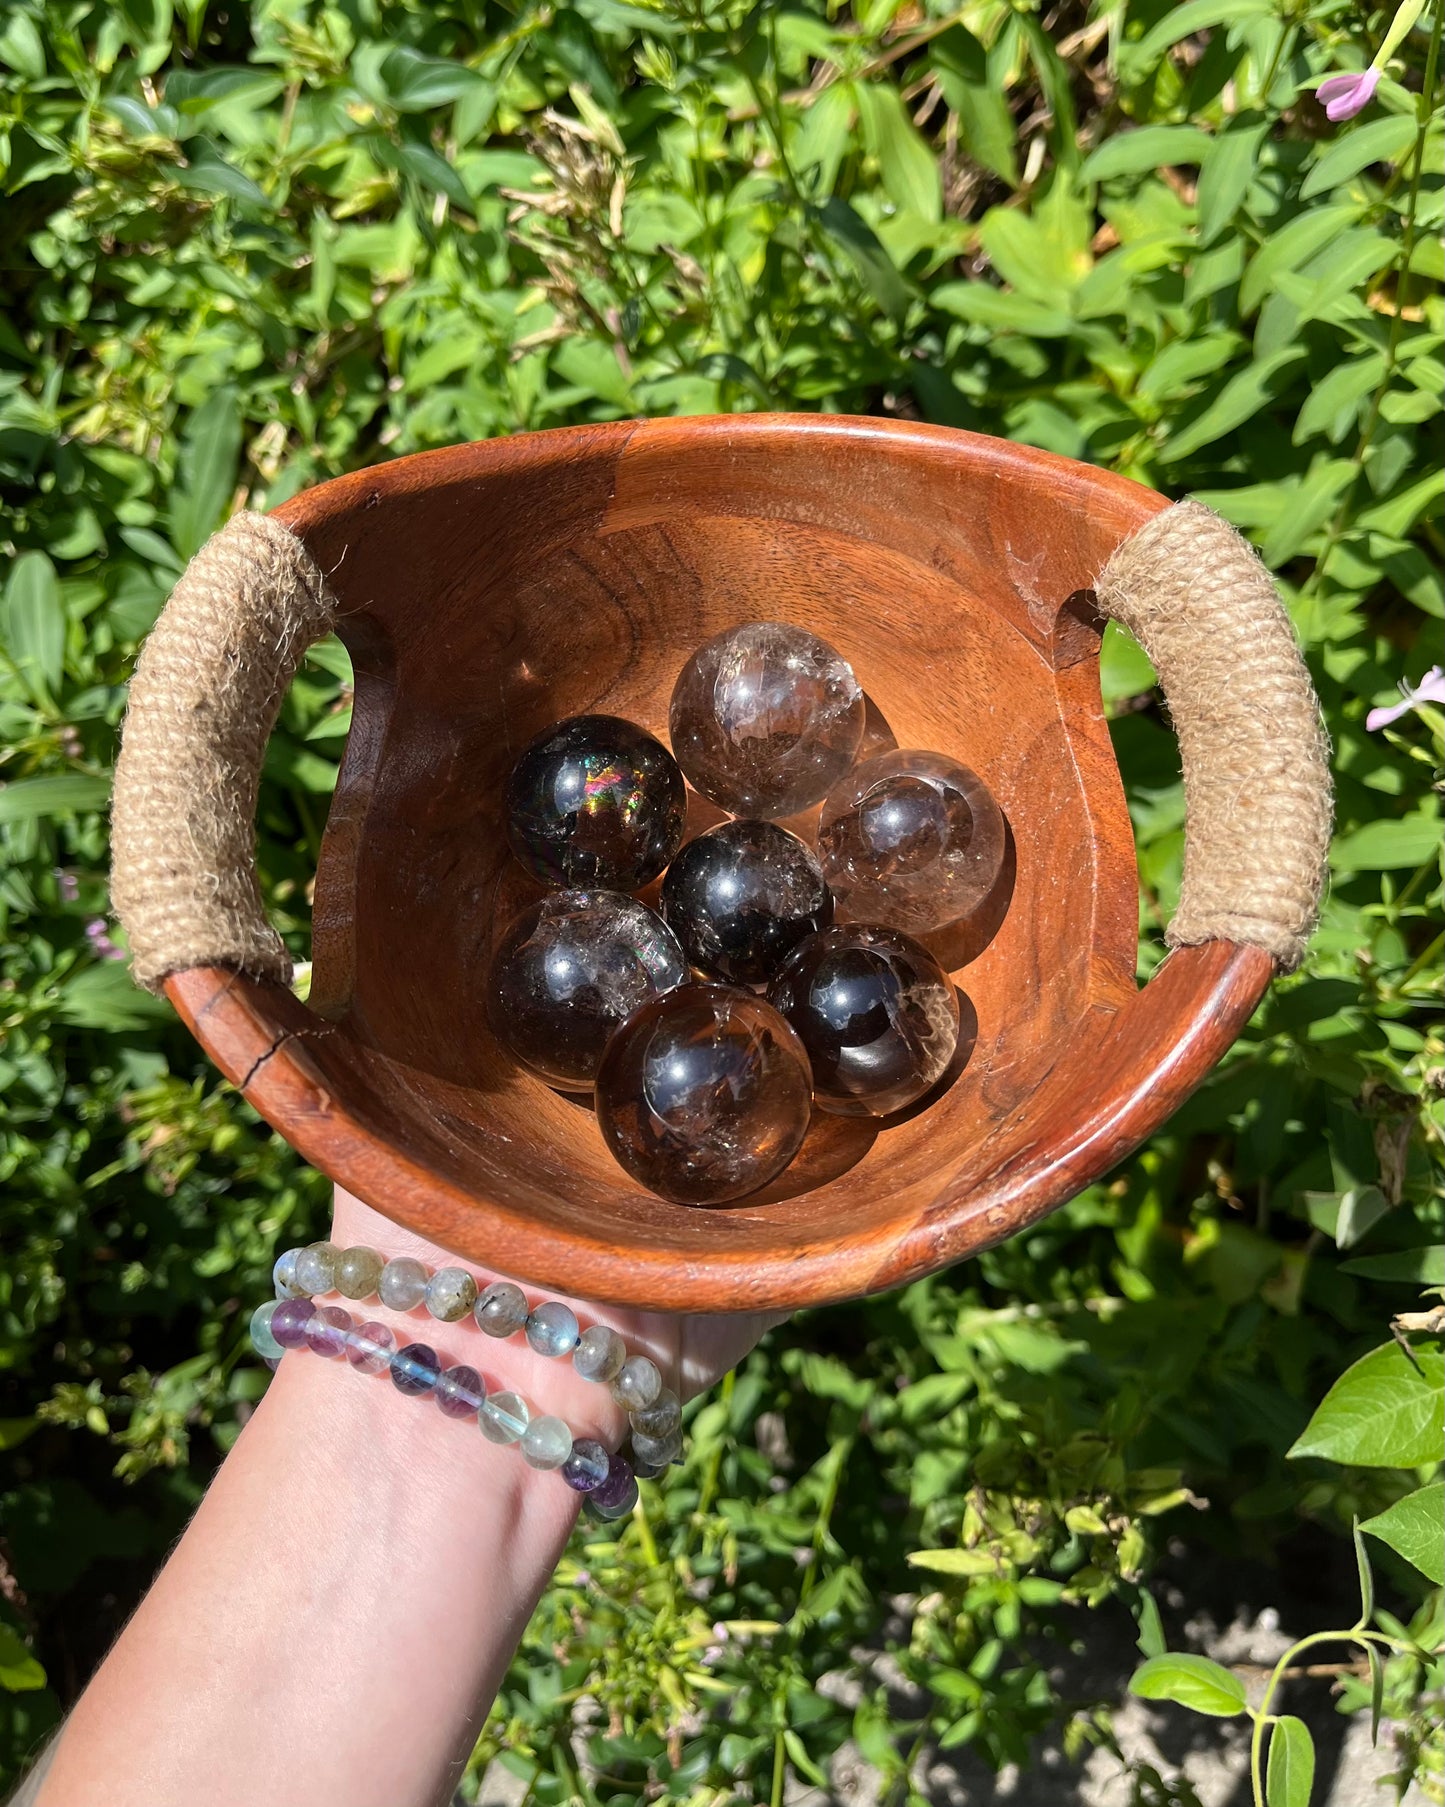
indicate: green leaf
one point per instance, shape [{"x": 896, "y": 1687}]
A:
[
  {"x": 1241, "y": 398},
  {"x": 55, "y": 794},
  {"x": 32, "y": 627},
  {"x": 955, "y": 1562},
  {"x": 1290, "y": 1775},
  {"x": 1181, "y": 22},
  {"x": 1226, "y": 173},
  {"x": 1421, "y": 1267},
  {"x": 20, "y": 1673},
  {"x": 985, "y": 124},
  {"x": 1382, "y": 846},
  {"x": 414, "y": 83},
  {"x": 1377, "y": 1690},
  {"x": 1333, "y": 404},
  {"x": 1147, "y": 148},
  {"x": 106, "y": 997},
  {"x": 985, "y": 305},
  {"x": 1190, "y": 1681},
  {"x": 1366, "y": 1574},
  {"x": 207, "y": 172},
  {"x": 206, "y": 478},
  {"x": 1310, "y": 505},
  {"x": 194, "y": 91},
  {"x": 424, "y": 166},
  {"x": 1291, "y": 246},
  {"x": 852, "y": 233},
  {"x": 1384, "y": 1412},
  {"x": 1381, "y": 141},
  {"x": 1414, "y": 1528},
  {"x": 908, "y": 167}
]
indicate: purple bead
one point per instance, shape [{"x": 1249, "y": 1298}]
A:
[
  {"x": 614, "y": 1489},
  {"x": 369, "y": 1348},
  {"x": 328, "y": 1330},
  {"x": 289, "y": 1322},
  {"x": 415, "y": 1369},
  {"x": 460, "y": 1392},
  {"x": 587, "y": 1467}
]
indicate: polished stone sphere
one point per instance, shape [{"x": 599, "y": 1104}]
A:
[
  {"x": 765, "y": 718},
  {"x": 569, "y": 972},
  {"x": 704, "y": 1095},
  {"x": 595, "y": 800},
  {"x": 876, "y": 1013},
  {"x": 741, "y": 897},
  {"x": 911, "y": 839}
]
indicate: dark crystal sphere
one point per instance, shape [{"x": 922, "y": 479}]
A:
[
  {"x": 595, "y": 800},
  {"x": 911, "y": 839},
  {"x": 569, "y": 972},
  {"x": 765, "y": 718},
  {"x": 876, "y": 1013},
  {"x": 704, "y": 1095},
  {"x": 741, "y": 897}
]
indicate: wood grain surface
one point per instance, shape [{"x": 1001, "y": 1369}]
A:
[{"x": 489, "y": 590}]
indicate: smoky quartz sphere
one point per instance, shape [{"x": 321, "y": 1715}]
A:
[
  {"x": 741, "y": 897},
  {"x": 704, "y": 1095},
  {"x": 765, "y": 719},
  {"x": 876, "y": 1013},
  {"x": 570, "y": 971},
  {"x": 595, "y": 800},
  {"x": 911, "y": 839}
]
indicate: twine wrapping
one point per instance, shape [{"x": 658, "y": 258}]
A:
[
  {"x": 1257, "y": 797},
  {"x": 203, "y": 701},
  {"x": 211, "y": 677}
]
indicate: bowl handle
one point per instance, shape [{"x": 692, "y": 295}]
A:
[
  {"x": 210, "y": 679},
  {"x": 1258, "y": 806},
  {"x": 206, "y": 692}
]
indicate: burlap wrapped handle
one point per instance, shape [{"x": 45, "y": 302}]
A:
[{"x": 211, "y": 677}]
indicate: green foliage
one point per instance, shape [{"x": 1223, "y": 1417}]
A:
[{"x": 250, "y": 247}]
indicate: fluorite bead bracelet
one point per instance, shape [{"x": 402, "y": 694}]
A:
[
  {"x": 607, "y": 1482},
  {"x": 500, "y": 1309}
]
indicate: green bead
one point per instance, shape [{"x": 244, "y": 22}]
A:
[
  {"x": 546, "y": 1443},
  {"x": 262, "y": 1341}
]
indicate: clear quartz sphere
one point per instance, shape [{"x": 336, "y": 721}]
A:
[
  {"x": 570, "y": 971},
  {"x": 911, "y": 840},
  {"x": 877, "y": 1014},
  {"x": 742, "y": 896},
  {"x": 765, "y": 719},
  {"x": 704, "y": 1095}
]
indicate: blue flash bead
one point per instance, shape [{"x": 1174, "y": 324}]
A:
[
  {"x": 415, "y": 1369},
  {"x": 552, "y": 1328}
]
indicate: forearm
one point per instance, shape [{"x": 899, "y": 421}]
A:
[{"x": 336, "y": 1619}]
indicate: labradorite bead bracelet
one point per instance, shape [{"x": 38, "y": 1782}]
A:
[
  {"x": 606, "y": 1482},
  {"x": 499, "y": 1308}
]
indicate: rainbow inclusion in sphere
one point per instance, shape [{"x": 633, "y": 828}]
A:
[
  {"x": 877, "y": 1014},
  {"x": 765, "y": 719},
  {"x": 570, "y": 971},
  {"x": 595, "y": 800},
  {"x": 741, "y": 897},
  {"x": 911, "y": 839},
  {"x": 704, "y": 1095}
]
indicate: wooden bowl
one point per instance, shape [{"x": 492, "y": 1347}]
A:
[{"x": 489, "y": 590}]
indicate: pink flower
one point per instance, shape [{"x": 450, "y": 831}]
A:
[
  {"x": 1342, "y": 96},
  {"x": 101, "y": 944},
  {"x": 1430, "y": 689}
]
